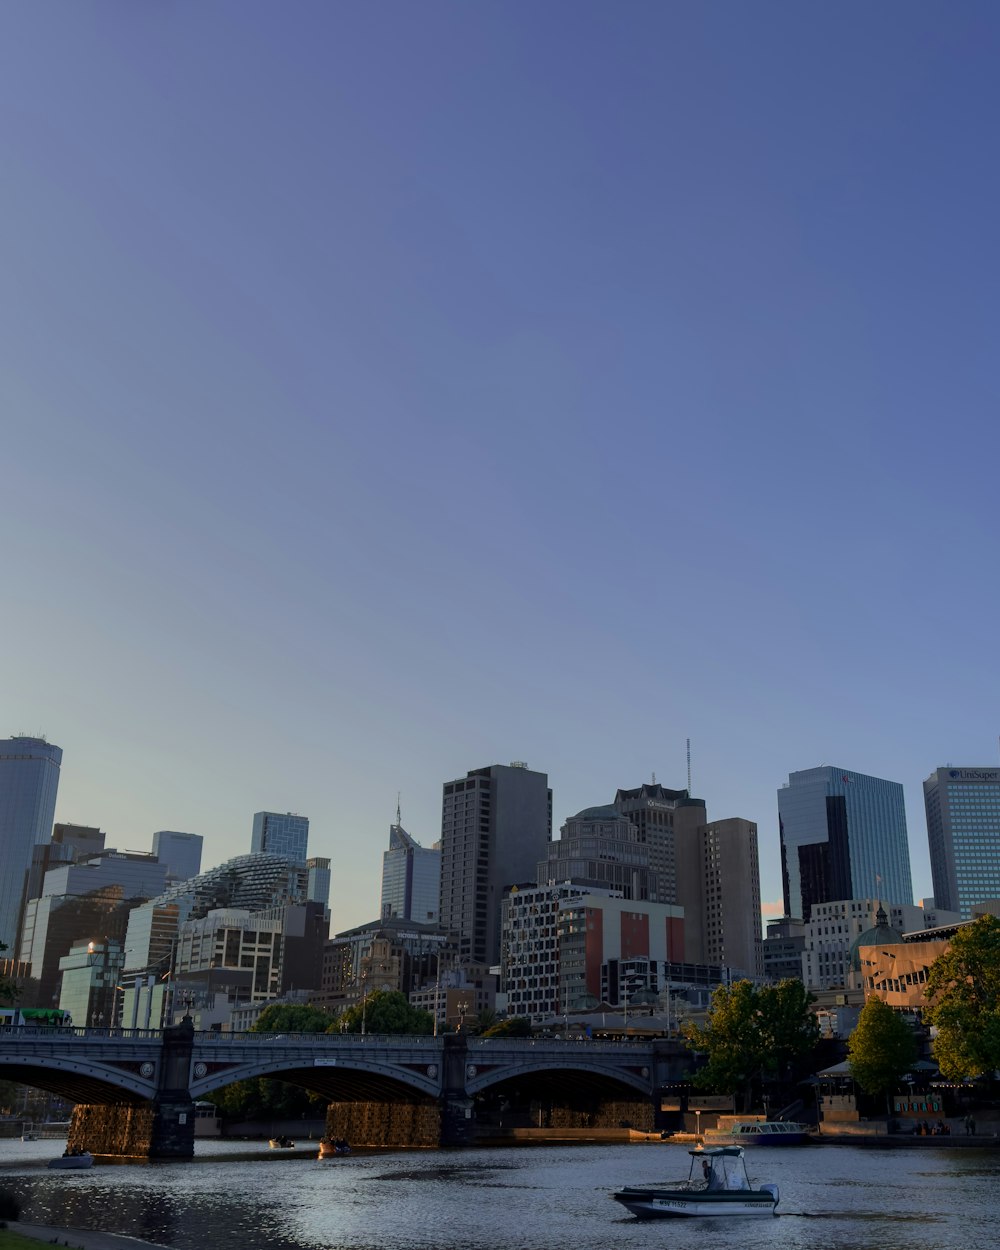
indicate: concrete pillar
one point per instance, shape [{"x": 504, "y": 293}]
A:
[
  {"x": 458, "y": 1127},
  {"x": 172, "y": 1135}
]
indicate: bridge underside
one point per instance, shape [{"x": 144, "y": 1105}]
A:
[{"x": 76, "y": 1087}]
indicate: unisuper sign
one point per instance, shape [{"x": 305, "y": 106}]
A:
[{"x": 974, "y": 774}]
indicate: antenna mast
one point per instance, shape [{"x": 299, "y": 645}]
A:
[
  {"x": 399, "y": 818},
  {"x": 689, "y": 764}
]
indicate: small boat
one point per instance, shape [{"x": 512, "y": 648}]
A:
[
  {"x": 717, "y": 1184},
  {"x": 79, "y": 1159},
  {"x": 330, "y": 1147},
  {"x": 771, "y": 1132},
  {"x": 281, "y": 1143}
]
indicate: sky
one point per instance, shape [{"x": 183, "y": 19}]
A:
[{"x": 391, "y": 390}]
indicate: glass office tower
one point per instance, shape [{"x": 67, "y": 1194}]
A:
[
  {"x": 29, "y": 780},
  {"x": 280, "y": 833},
  {"x": 963, "y": 835},
  {"x": 843, "y": 836}
]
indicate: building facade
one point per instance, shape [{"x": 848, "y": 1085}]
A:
[
  {"x": 600, "y": 847},
  {"x": 29, "y": 782},
  {"x": 963, "y": 834},
  {"x": 280, "y": 833},
  {"x": 662, "y": 817},
  {"x": 843, "y": 836},
  {"x": 718, "y": 876},
  {"x": 181, "y": 852},
  {"x": 411, "y": 879},
  {"x": 496, "y": 824}
]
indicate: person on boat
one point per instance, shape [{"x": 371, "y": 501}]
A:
[{"x": 706, "y": 1170}]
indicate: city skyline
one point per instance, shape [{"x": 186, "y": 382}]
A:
[{"x": 392, "y": 390}]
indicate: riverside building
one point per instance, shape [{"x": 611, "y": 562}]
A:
[{"x": 963, "y": 835}]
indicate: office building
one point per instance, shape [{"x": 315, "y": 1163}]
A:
[
  {"x": 496, "y": 823},
  {"x": 600, "y": 847},
  {"x": 718, "y": 885},
  {"x": 411, "y": 878},
  {"x": 963, "y": 834},
  {"x": 180, "y": 852},
  {"x": 88, "y": 983},
  {"x": 843, "y": 836},
  {"x": 783, "y": 947},
  {"x": 280, "y": 833},
  {"x": 662, "y": 817},
  {"x": 318, "y": 889},
  {"x": 69, "y": 844},
  {"x": 29, "y": 781}
]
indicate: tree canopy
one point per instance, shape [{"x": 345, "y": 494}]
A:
[
  {"x": 752, "y": 1033},
  {"x": 963, "y": 986},
  {"x": 881, "y": 1048},
  {"x": 513, "y": 1026},
  {"x": 293, "y": 1018},
  {"x": 9, "y": 992},
  {"x": 383, "y": 1011}
]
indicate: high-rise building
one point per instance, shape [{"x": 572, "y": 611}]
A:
[
  {"x": 963, "y": 834},
  {"x": 600, "y": 847},
  {"x": 181, "y": 852},
  {"x": 318, "y": 889},
  {"x": 843, "y": 836},
  {"x": 280, "y": 833},
  {"x": 496, "y": 823},
  {"x": 718, "y": 884},
  {"x": 69, "y": 844},
  {"x": 29, "y": 780},
  {"x": 411, "y": 879},
  {"x": 662, "y": 817}
]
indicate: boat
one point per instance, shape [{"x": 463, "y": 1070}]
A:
[
  {"x": 79, "y": 1159},
  {"x": 330, "y": 1147},
  {"x": 281, "y": 1143},
  {"x": 717, "y": 1185},
  {"x": 771, "y": 1132}
]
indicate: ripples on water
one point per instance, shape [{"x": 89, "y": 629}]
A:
[{"x": 532, "y": 1198}]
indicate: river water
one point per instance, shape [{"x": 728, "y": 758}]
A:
[{"x": 510, "y": 1198}]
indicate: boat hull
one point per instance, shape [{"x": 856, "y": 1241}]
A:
[
  {"x": 72, "y": 1162},
  {"x": 655, "y": 1204}
]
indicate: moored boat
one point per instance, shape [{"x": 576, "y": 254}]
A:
[
  {"x": 717, "y": 1185},
  {"x": 771, "y": 1133},
  {"x": 281, "y": 1143},
  {"x": 330, "y": 1147}
]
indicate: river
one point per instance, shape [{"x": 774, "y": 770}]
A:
[{"x": 511, "y": 1198}]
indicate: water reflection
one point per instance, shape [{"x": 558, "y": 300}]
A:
[{"x": 507, "y": 1199}]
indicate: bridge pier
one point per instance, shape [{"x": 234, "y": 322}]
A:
[
  {"x": 160, "y": 1129},
  {"x": 458, "y": 1125}
]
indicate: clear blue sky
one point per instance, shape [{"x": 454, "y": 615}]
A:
[{"x": 393, "y": 389}]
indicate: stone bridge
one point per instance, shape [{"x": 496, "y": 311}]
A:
[{"x": 135, "y": 1090}]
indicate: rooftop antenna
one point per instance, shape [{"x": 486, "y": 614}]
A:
[
  {"x": 689, "y": 764},
  {"x": 654, "y": 779},
  {"x": 399, "y": 817}
]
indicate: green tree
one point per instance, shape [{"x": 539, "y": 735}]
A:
[
  {"x": 963, "y": 986},
  {"x": 383, "y": 1011},
  {"x": 293, "y": 1018},
  {"x": 751, "y": 1033},
  {"x": 881, "y": 1048}
]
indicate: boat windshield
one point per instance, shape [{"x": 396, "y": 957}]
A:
[{"x": 722, "y": 1168}]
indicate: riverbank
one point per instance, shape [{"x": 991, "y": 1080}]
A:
[{"x": 79, "y": 1238}]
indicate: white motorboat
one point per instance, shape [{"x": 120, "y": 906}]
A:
[
  {"x": 771, "y": 1132},
  {"x": 717, "y": 1184},
  {"x": 81, "y": 1159}
]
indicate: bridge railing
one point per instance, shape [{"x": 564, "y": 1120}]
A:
[
  {"x": 21, "y": 1032},
  {"x": 324, "y": 1039}
]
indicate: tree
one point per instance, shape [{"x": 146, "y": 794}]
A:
[
  {"x": 293, "y": 1018},
  {"x": 751, "y": 1033},
  {"x": 963, "y": 986},
  {"x": 881, "y": 1049},
  {"x": 384, "y": 1011}
]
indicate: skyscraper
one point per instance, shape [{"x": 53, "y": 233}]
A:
[
  {"x": 963, "y": 834},
  {"x": 411, "y": 878},
  {"x": 662, "y": 817},
  {"x": 181, "y": 852},
  {"x": 280, "y": 833},
  {"x": 29, "y": 780},
  {"x": 496, "y": 823},
  {"x": 843, "y": 836}
]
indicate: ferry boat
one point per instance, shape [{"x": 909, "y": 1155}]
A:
[
  {"x": 717, "y": 1185},
  {"x": 771, "y": 1133}
]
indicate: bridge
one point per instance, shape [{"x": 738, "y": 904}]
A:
[{"x": 135, "y": 1090}]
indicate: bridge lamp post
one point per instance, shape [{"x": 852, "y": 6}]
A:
[{"x": 364, "y": 1002}]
